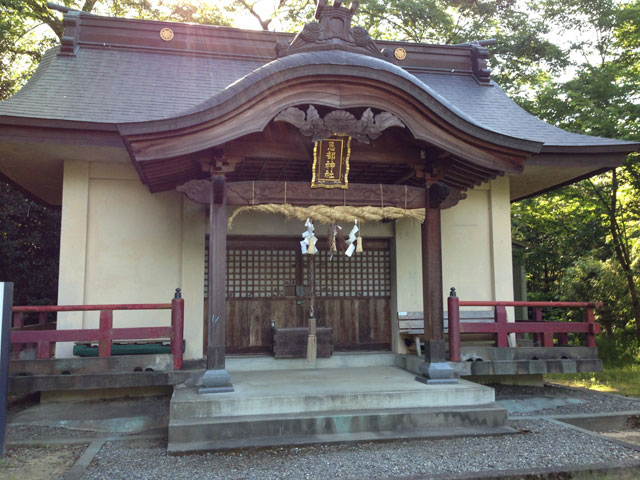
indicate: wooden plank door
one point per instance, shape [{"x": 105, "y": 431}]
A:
[{"x": 353, "y": 295}]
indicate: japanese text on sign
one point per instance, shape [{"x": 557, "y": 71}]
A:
[{"x": 331, "y": 162}]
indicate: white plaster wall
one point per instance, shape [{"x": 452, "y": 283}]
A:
[
  {"x": 476, "y": 251},
  {"x": 408, "y": 263},
  {"x": 466, "y": 247},
  {"x": 73, "y": 247},
  {"x": 139, "y": 247},
  {"x": 122, "y": 244}
]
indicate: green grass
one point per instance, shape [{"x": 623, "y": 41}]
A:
[{"x": 622, "y": 380}]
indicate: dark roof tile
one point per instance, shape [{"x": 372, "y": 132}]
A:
[{"x": 114, "y": 85}]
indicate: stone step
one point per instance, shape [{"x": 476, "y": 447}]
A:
[
  {"x": 337, "y": 426},
  {"x": 300, "y": 391},
  {"x": 298, "y": 406},
  {"x": 253, "y": 363}
]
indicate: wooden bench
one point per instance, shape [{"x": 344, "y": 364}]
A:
[{"x": 412, "y": 323}]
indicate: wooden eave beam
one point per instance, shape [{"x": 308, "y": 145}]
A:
[
  {"x": 301, "y": 194},
  {"x": 454, "y": 182},
  {"x": 473, "y": 169},
  {"x": 252, "y": 111},
  {"x": 283, "y": 150},
  {"x": 462, "y": 174}
]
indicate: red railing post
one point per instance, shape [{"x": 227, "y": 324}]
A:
[
  {"x": 18, "y": 322},
  {"x": 537, "y": 317},
  {"x": 106, "y": 333},
  {"x": 590, "y": 319},
  {"x": 537, "y": 314},
  {"x": 177, "y": 329},
  {"x": 42, "y": 318},
  {"x": 501, "y": 320},
  {"x": 453, "y": 309},
  {"x": 43, "y": 349},
  {"x": 547, "y": 338}
]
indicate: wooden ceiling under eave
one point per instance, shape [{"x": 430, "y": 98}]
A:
[{"x": 282, "y": 153}]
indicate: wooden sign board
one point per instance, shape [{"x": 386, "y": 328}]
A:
[
  {"x": 6, "y": 302},
  {"x": 331, "y": 162}
]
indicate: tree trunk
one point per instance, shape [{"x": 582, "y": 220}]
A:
[{"x": 622, "y": 252}]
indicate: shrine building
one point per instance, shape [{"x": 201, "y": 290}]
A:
[{"x": 189, "y": 156}]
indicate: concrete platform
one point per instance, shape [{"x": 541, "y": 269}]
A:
[
  {"x": 328, "y": 405},
  {"x": 252, "y": 363},
  {"x": 122, "y": 416}
]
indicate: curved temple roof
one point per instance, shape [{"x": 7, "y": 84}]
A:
[
  {"x": 131, "y": 81},
  {"x": 127, "y": 86}
]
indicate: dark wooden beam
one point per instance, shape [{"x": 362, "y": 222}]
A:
[
  {"x": 474, "y": 170},
  {"x": 301, "y": 193},
  {"x": 216, "y": 379},
  {"x": 292, "y": 150},
  {"x": 432, "y": 285},
  {"x": 217, "y": 273}
]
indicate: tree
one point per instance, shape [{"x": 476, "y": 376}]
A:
[
  {"x": 28, "y": 28},
  {"x": 559, "y": 227},
  {"x": 29, "y": 247},
  {"x": 29, "y": 231},
  {"x": 602, "y": 99}
]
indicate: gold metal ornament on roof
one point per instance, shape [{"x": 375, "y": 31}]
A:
[
  {"x": 166, "y": 34},
  {"x": 400, "y": 53}
]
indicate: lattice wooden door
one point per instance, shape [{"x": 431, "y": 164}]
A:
[{"x": 267, "y": 285}]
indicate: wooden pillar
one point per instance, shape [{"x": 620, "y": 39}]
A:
[
  {"x": 435, "y": 368},
  {"x": 432, "y": 284},
  {"x": 216, "y": 378},
  {"x": 217, "y": 273}
]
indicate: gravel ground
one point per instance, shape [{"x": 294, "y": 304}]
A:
[
  {"x": 591, "y": 401},
  {"x": 41, "y": 433},
  {"x": 538, "y": 444}
]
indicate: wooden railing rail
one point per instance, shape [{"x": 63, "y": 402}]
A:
[
  {"x": 105, "y": 334},
  {"x": 501, "y": 328}
]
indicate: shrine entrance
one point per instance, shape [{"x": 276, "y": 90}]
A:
[{"x": 267, "y": 286}]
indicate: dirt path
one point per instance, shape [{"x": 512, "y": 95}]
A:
[{"x": 38, "y": 463}]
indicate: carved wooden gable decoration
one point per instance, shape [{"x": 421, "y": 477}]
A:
[
  {"x": 332, "y": 136},
  {"x": 311, "y": 124},
  {"x": 332, "y": 30}
]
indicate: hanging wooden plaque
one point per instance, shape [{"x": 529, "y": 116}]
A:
[{"x": 331, "y": 162}]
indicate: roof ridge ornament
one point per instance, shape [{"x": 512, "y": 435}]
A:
[
  {"x": 479, "y": 58},
  {"x": 71, "y": 22},
  {"x": 369, "y": 127},
  {"x": 331, "y": 31}
]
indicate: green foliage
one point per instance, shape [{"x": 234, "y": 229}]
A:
[
  {"x": 595, "y": 102},
  {"x": 28, "y": 28},
  {"x": 559, "y": 227},
  {"x": 592, "y": 279},
  {"x": 618, "y": 350},
  {"x": 522, "y": 57},
  {"x": 624, "y": 380},
  {"x": 29, "y": 247},
  {"x": 588, "y": 243}
]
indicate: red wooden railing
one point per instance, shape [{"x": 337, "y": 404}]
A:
[
  {"x": 105, "y": 334},
  {"x": 501, "y": 328}
]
